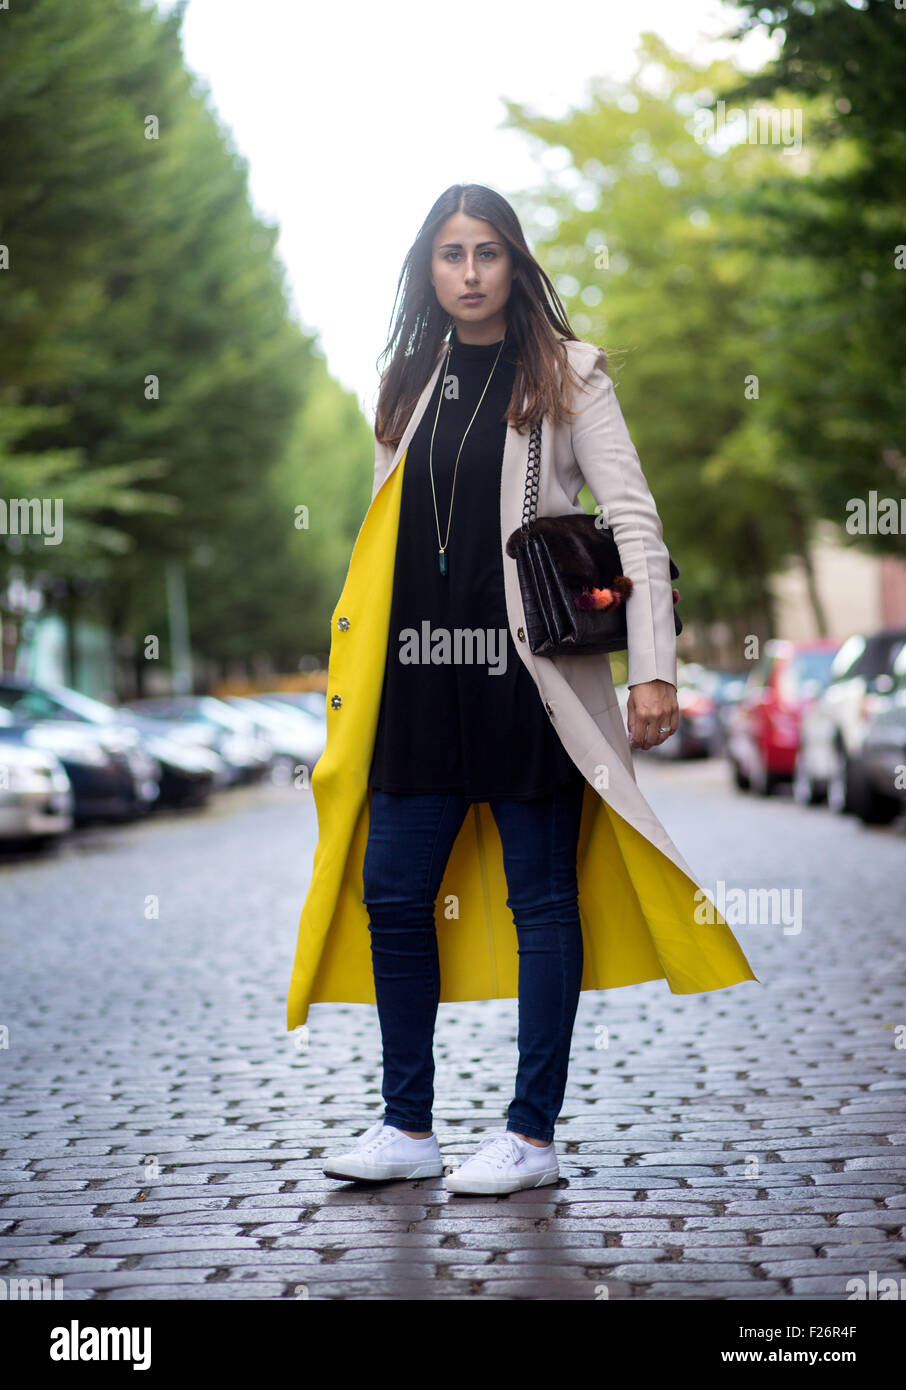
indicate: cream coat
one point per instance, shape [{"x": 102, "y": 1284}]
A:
[{"x": 640, "y": 902}]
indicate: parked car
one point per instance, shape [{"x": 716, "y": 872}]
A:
[
  {"x": 695, "y": 729},
  {"x": 832, "y": 730},
  {"x": 697, "y": 725},
  {"x": 106, "y": 782},
  {"x": 36, "y": 797},
  {"x": 184, "y": 775},
  {"x": 312, "y": 701},
  {"x": 763, "y": 733},
  {"x": 876, "y": 766},
  {"x": 726, "y": 689},
  {"x": 188, "y": 772},
  {"x": 212, "y": 724},
  {"x": 297, "y": 735}
]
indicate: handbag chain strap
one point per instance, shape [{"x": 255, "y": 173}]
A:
[{"x": 532, "y": 477}]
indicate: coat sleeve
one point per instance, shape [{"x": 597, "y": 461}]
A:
[{"x": 608, "y": 462}]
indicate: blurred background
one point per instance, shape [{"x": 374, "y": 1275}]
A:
[{"x": 203, "y": 214}]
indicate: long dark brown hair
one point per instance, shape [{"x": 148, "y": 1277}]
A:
[{"x": 536, "y": 320}]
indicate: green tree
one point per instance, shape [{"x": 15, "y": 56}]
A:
[
  {"x": 147, "y": 305},
  {"x": 840, "y": 404},
  {"x": 648, "y": 253}
]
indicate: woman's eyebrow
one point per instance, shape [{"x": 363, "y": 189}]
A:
[{"x": 458, "y": 244}]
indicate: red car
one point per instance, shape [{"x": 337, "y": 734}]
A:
[{"x": 764, "y": 732}]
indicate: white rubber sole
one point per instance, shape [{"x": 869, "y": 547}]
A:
[
  {"x": 491, "y": 1187},
  {"x": 357, "y": 1171}
]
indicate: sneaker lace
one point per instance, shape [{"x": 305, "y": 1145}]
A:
[
  {"x": 375, "y": 1138},
  {"x": 500, "y": 1150}
]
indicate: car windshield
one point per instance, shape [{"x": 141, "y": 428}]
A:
[
  {"x": 867, "y": 658},
  {"x": 272, "y": 718},
  {"x": 847, "y": 657},
  {"x": 219, "y": 713},
  {"x": 199, "y": 709},
  {"x": 30, "y": 703},
  {"x": 807, "y": 672},
  {"x": 899, "y": 665},
  {"x": 84, "y": 706}
]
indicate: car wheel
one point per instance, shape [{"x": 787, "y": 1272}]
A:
[
  {"x": 763, "y": 781},
  {"x": 740, "y": 779},
  {"x": 870, "y": 806}
]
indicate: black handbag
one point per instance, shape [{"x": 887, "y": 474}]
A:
[{"x": 572, "y": 583}]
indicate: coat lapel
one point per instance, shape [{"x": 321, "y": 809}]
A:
[
  {"x": 515, "y": 453},
  {"x": 415, "y": 418}
]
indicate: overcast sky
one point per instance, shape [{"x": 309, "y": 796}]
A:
[{"x": 355, "y": 117}]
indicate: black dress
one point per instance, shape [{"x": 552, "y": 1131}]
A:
[{"x": 471, "y": 722}]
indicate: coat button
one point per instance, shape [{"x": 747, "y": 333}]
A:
[
  {"x": 548, "y": 708},
  {"x": 342, "y": 624},
  {"x": 335, "y": 701},
  {"x": 520, "y": 633}
]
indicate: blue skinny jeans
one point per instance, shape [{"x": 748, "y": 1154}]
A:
[{"x": 409, "y": 842}]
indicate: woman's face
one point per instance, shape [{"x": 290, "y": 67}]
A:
[{"x": 469, "y": 257}]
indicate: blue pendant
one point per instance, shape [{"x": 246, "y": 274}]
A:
[{"x": 442, "y": 557}]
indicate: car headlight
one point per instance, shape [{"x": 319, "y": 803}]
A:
[{"x": 23, "y": 777}]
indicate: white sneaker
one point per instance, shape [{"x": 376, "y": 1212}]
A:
[
  {"x": 505, "y": 1163},
  {"x": 383, "y": 1152}
]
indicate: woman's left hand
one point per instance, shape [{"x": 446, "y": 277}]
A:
[{"x": 652, "y": 707}]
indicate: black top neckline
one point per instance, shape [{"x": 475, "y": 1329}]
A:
[
  {"x": 485, "y": 353},
  {"x": 479, "y": 351}
]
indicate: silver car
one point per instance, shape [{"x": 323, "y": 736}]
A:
[
  {"x": 36, "y": 797},
  {"x": 831, "y": 732},
  {"x": 878, "y": 770},
  {"x": 299, "y": 737}
]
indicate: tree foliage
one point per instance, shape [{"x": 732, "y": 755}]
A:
[{"x": 146, "y": 329}]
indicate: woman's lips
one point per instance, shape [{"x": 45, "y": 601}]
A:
[{"x": 471, "y": 298}]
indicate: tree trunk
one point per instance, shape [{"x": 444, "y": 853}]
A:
[
  {"x": 800, "y": 531},
  {"x": 763, "y": 600},
  {"x": 71, "y": 612}
]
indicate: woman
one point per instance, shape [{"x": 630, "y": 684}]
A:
[{"x": 483, "y": 349}]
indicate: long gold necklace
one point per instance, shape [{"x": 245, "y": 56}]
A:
[{"x": 442, "y": 544}]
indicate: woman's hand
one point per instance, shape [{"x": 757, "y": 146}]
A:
[{"x": 652, "y": 707}]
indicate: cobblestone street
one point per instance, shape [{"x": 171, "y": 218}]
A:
[{"x": 162, "y": 1134}]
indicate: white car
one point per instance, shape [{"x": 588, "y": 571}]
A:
[{"x": 36, "y": 798}]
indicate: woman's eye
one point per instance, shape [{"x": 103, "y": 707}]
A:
[{"x": 488, "y": 251}]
